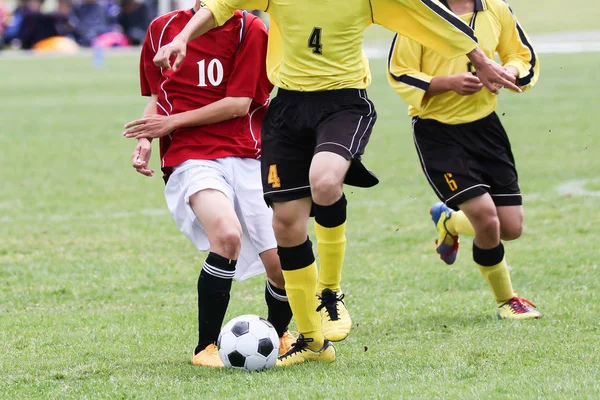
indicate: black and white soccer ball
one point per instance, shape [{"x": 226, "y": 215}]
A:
[{"x": 248, "y": 342}]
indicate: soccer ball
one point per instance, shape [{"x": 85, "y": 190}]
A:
[{"x": 248, "y": 342}]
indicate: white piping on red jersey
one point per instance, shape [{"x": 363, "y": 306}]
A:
[
  {"x": 161, "y": 70},
  {"x": 250, "y": 122},
  {"x": 162, "y": 108}
]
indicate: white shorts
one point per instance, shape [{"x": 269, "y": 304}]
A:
[{"x": 239, "y": 179}]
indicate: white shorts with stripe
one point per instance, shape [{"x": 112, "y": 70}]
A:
[{"x": 239, "y": 179}]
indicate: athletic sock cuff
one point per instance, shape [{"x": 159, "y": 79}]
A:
[
  {"x": 488, "y": 257},
  {"x": 275, "y": 292},
  {"x": 296, "y": 257},
  {"x": 221, "y": 262},
  {"x": 333, "y": 215},
  {"x": 219, "y": 267}
]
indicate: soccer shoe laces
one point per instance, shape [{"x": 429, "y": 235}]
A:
[
  {"x": 520, "y": 305},
  {"x": 329, "y": 301},
  {"x": 299, "y": 345}
]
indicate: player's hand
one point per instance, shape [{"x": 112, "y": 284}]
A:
[
  {"x": 176, "y": 48},
  {"x": 493, "y": 76},
  {"x": 150, "y": 127},
  {"x": 514, "y": 72},
  {"x": 141, "y": 157},
  {"x": 466, "y": 84}
]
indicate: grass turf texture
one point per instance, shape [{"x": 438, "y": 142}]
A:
[{"x": 97, "y": 295}]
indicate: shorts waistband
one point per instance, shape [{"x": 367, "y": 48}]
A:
[{"x": 322, "y": 95}]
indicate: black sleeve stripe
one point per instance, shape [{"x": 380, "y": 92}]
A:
[
  {"x": 451, "y": 18},
  {"x": 406, "y": 79},
  {"x": 526, "y": 80},
  {"x": 412, "y": 81}
]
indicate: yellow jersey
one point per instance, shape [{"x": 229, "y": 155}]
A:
[
  {"x": 316, "y": 45},
  {"x": 412, "y": 66}
]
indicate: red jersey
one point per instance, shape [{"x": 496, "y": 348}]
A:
[{"x": 226, "y": 61}]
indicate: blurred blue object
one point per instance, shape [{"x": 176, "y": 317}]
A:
[{"x": 97, "y": 56}]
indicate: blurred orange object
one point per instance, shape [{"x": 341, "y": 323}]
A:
[{"x": 58, "y": 44}]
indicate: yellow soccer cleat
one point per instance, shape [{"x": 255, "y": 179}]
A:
[
  {"x": 518, "y": 308},
  {"x": 286, "y": 342},
  {"x": 300, "y": 352},
  {"x": 335, "y": 319},
  {"x": 209, "y": 357}
]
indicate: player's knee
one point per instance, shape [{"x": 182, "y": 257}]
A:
[
  {"x": 288, "y": 227},
  {"x": 227, "y": 239},
  {"x": 511, "y": 231},
  {"x": 486, "y": 222},
  {"x": 326, "y": 189}
]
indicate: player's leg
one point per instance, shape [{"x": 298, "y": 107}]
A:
[
  {"x": 501, "y": 173},
  {"x": 279, "y": 310},
  {"x": 447, "y": 167},
  {"x": 216, "y": 214},
  {"x": 488, "y": 251},
  {"x": 342, "y": 137},
  {"x": 327, "y": 174},
  {"x": 200, "y": 201},
  {"x": 288, "y": 146},
  {"x": 290, "y": 223}
]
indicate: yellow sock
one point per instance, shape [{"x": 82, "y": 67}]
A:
[
  {"x": 331, "y": 245},
  {"x": 498, "y": 277},
  {"x": 459, "y": 224},
  {"x": 300, "y": 286}
]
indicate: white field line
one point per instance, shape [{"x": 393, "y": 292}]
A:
[{"x": 577, "y": 188}]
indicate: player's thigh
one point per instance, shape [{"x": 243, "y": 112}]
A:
[
  {"x": 287, "y": 151},
  {"x": 447, "y": 164},
  {"x": 192, "y": 177},
  {"x": 216, "y": 214},
  {"x": 327, "y": 173}
]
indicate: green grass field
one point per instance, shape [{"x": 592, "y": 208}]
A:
[{"x": 97, "y": 285}]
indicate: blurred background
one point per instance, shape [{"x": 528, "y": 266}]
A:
[{"x": 65, "y": 25}]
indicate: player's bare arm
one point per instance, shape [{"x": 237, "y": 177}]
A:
[
  {"x": 143, "y": 150},
  {"x": 463, "y": 84},
  {"x": 201, "y": 22},
  {"x": 157, "y": 126}
]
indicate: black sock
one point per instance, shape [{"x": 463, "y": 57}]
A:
[
  {"x": 332, "y": 215},
  {"x": 214, "y": 285},
  {"x": 280, "y": 313}
]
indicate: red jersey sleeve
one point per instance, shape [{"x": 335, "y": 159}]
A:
[
  {"x": 149, "y": 73},
  {"x": 249, "y": 65}
]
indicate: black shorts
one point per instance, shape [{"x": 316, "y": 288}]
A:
[
  {"x": 298, "y": 125},
  {"x": 465, "y": 161}
]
